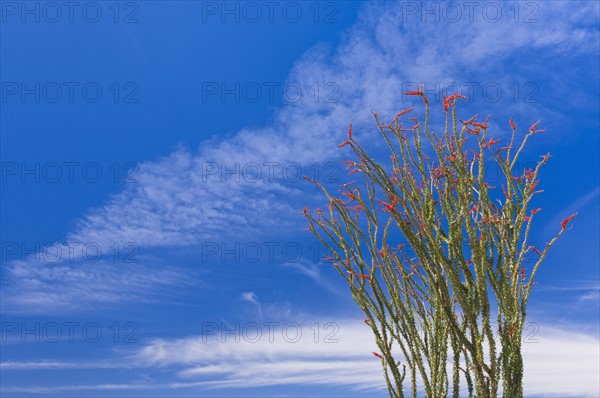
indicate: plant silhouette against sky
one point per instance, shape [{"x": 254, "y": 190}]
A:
[{"x": 434, "y": 254}]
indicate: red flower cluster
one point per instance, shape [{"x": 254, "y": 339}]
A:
[
  {"x": 451, "y": 100},
  {"x": 532, "y": 129},
  {"x": 490, "y": 142},
  {"x": 343, "y": 144},
  {"x": 404, "y": 112},
  {"x": 564, "y": 223},
  {"x": 533, "y": 211},
  {"x": 478, "y": 126},
  {"x": 388, "y": 207},
  {"x": 420, "y": 93},
  {"x": 528, "y": 174}
]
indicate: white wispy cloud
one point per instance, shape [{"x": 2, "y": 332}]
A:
[
  {"x": 573, "y": 286},
  {"x": 313, "y": 271},
  {"x": 253, "y": 299},
  {"x": 558, "y": 362},
  {"x": 62, "y": 365},
  {"x": 41, "y": 288}
]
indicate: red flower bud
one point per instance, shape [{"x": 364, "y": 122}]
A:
[
  {"x": 389, "y": 207},
  {"x": 532, "y": 129},
  {"x": 490, "y": 142},
  {"x": 404, "y": 112},
  {"x": 533, "y": 185},
  {"x": 564, "y": 223}
]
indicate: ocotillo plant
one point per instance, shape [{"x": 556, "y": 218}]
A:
[{"x": 433, "y": 299}]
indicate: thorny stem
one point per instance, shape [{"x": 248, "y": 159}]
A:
[{"x": 467, "y": 242}]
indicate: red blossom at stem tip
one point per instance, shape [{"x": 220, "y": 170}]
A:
[
  {"x": 490, "y": 142},
  {"x": 377, "y": 355},
  {"x": 404, "y": 112},
  {"x": 349, "y": 195},
  {"x": 512, "y": 124},
  {"x": 350, "y": 132},
  {"x": 533, "y": 185},
  {"x": 343, "y": 144},
  {"x": 564, "y": 222},
  {"x": 389, "y": 207},
  {"x": 532, "y": 129},
  {"x": 528, "y": 174},
  {"x": 451, "y": 100},
  {"x": 420, "y": 93}
]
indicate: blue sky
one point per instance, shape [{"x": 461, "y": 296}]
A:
[{"x": 151, "y": 191}]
